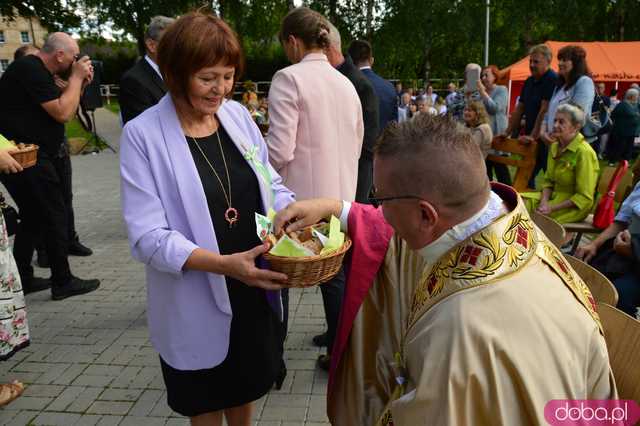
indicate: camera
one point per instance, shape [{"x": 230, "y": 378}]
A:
[{"x": 91, "y": 97}]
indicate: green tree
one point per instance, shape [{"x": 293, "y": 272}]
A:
[
  {"x": 133, "y": 16},
  {"x": 53, "y": 14}
]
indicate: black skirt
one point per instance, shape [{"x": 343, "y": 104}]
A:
[
  {"x": 249, "y": 370},
  {"x": 253, "y": 360}
]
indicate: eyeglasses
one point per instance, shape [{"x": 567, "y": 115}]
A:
[{"x": 376, "y": 202}]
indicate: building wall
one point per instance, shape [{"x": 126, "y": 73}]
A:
[{"x": 13, "y": 36}]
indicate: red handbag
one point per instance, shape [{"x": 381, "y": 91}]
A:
[{"x": 605, "y": 212}]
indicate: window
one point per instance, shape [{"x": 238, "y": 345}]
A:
[
  {"x": 1, "y": 36},
  {"x": 4, "y": 64},
  {"x": 24, "y": 37}
]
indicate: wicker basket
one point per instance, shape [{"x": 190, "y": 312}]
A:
[
  {"x": 311, "y": 270},
  {"x": 27, "y": 156}
]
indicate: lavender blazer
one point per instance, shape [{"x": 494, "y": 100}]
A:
[{"x": 166, "y": 214}]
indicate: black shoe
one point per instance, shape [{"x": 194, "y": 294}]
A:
[
  {"x": 324, "y": 362},
  {"x": 74, "y": 287},
  {"x": 36, "y": 284},
  {"x": 76, "y": 248},
  {"x": 42, "y": 260},
  {"x": 320, "y": 340}
]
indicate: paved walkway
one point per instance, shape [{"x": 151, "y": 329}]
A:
[{"x": 90, "y": 361}]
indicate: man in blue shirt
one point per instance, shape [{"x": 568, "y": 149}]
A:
[
  {"x": 361, "y": 53},
  {"x": 534, "y": 101},
  {"x": 616, "y": 253}
]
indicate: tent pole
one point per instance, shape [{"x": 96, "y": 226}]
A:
[
  {"x": 486, "y": 37},
  {"x": 509, "y": 97}
]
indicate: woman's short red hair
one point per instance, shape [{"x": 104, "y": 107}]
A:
[{"x": 193, "y": 42}]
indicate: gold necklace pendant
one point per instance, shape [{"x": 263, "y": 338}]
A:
[{"x": 231, "y": 216}]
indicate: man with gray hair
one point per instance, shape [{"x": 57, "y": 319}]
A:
[
  {"x": 458, "y": 310},
  {"x": 141, "y": 86},
  {"x": 626, "y": 123},
  {"x": 34, "y": 112},
  {"x": 369, "y": 102}
]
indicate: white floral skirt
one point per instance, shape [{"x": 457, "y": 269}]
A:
[{"x": 14, "y": 328}]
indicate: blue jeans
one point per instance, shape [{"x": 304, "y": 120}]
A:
[{"x": 628, "y": 287}]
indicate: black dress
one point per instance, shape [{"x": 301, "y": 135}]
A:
[{"x": 253, "y": 360}]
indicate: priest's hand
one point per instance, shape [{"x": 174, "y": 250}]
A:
[
  {"x": 305, "y": 213},
  {"x": 586, "y": 252},
  {"x": 242, "y": 267}
]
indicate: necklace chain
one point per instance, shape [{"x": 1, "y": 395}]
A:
[{"x": 227, "y": 197}]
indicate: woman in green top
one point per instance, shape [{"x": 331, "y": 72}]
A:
[{"x": 568, "y": 191}]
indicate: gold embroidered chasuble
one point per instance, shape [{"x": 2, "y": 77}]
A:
[{"x": 491, "y": 332}]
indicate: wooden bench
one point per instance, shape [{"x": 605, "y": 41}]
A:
[{"x": 524, "y": 164}]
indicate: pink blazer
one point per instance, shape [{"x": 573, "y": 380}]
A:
[{"x": 315, "y": 129}]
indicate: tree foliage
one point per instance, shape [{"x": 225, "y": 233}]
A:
[
  {"x": 133, "y": 16},
  {"x": 411, "y": 38},
  {"x": 54, "y": 14}
]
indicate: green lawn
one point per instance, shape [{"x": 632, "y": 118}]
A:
[
  {"x": 113, "y": 105},
  {"x": 74, "y": 129}
]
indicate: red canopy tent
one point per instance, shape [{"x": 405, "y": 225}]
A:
[{"x": 617, "y": 64}]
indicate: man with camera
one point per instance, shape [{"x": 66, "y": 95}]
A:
[{"x": 35, "y": 110}]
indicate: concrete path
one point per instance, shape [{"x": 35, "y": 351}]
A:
[{"x": 90, "y": 361}]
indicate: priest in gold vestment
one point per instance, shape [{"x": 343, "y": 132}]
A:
[{"x": 457, "y": 310}]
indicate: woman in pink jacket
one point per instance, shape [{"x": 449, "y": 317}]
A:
[{"x": 315, "y": 130}]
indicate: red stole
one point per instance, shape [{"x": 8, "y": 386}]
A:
[{"x": 370, "y": 234}]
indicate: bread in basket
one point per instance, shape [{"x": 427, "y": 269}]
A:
[
  {"x": 26, "y": 155},
  {"x": 308, "y": 257}
]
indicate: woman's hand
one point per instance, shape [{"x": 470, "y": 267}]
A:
[
  {"x": 305, "y": 213},
  {"x": 524, "y": 139},
  {"x": 546, "y": 138},
  {"x": 482, "y": 90},
  {"x": 544, "y": 208},
  {"x": 242, "y": 267},
  {"x": 586, "y": 252},
  {"x": 8, "y": 164},
  {"x": 622, "y": 244}
]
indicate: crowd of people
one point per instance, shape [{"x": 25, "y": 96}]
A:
[
  {"x": 336, "y": 130},
  {"x": 429, "y": 305}
]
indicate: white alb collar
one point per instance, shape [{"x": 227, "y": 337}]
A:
[{"x": 494, "y": 208}]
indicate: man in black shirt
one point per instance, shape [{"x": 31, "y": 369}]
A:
[
  {"x": 34, "y": 112},
  {"x": 76, "y": 248},
  {"x": 534, "y": 101}
]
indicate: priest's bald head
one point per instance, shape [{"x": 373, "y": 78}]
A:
[{"x": 429, "y": 176}]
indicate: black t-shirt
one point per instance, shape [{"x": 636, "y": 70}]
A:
[
  {"x": 533, "y": 93},
  {"x": 24, "y": 86}
]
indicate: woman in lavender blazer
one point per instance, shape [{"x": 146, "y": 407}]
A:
[{"x": 194, "y": 170}]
